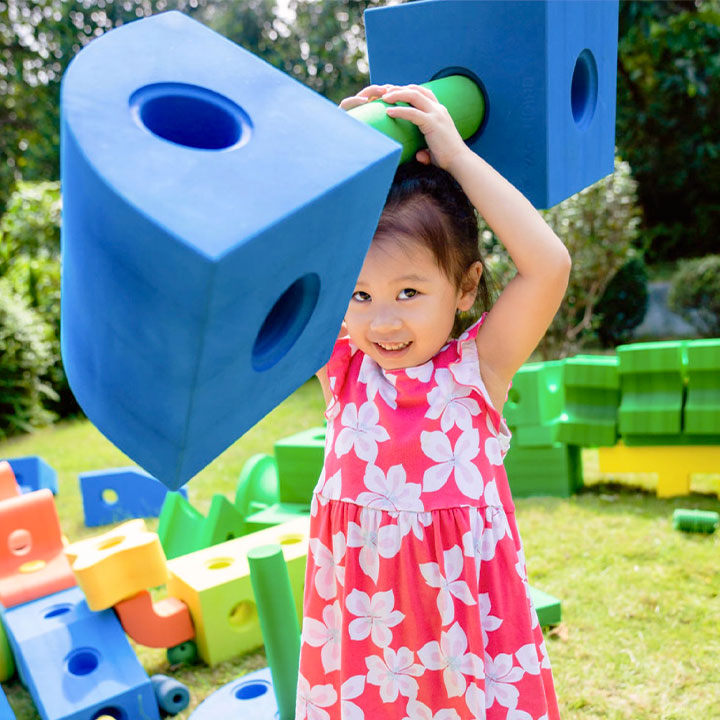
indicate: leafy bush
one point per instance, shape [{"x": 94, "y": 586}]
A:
[
  {"x": 25, "y": 357},
  {"x": 598, "y": 225},
  {"x": 623, "y": 304},
  {"x": 30, "y": 262},
  {"x": 695, "y": 293}
]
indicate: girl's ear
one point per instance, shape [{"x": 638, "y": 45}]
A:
[{"x": 469, "y": 288}]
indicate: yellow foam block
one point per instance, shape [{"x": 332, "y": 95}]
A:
[
  {"x": 118, "y": 564},
  {"x": 215, "y": 584},
  {"x": 673, "y": 464}
]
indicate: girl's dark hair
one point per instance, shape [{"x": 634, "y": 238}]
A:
[{"x": 426, "y": 204}]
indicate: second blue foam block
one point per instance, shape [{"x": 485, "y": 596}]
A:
[
  {"x": 76, "y": 663},
  {"x": 216, "y": 214},
  {"x": 120, "y": 494}
]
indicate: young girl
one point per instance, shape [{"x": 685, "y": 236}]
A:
[{"x": 416, "y": 595}]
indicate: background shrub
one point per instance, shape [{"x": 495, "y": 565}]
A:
[
  {"x": 25, "y": 358},
  {"x": 695, "y": 293},
  {"x": 623, "y": 304}
]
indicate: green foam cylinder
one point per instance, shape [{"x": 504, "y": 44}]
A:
[
  {"x": 696, "y": 520},
  {"x": 278, "y": 622},
  {"x": 459, "y": 94}
]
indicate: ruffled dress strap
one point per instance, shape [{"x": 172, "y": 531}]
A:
[
  {"x": 465, "y": 368},
  {"x": 337, "y": 371}
]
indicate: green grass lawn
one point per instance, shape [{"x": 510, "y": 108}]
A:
[{"x": 640, "y": 637}]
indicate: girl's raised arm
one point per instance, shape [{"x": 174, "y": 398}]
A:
[
  {"x": 526, "y": 307},
  {"x": 523, "y": 312}
]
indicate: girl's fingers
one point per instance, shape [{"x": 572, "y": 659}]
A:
[
  {"x": 366, "y": 95},
  {"x": 412, "y": 95}
]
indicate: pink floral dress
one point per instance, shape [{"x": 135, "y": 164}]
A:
[{"x": 416, "y": 594}]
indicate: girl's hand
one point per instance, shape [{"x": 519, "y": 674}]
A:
[
  {"x": 434, "y": 121},
  {"x": 366, "y": 95}
]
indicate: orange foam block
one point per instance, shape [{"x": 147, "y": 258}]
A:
[
  {"x": 161, "y": 624},
  {"x": 32, "y": 563},
  {"x": 118, "y": 564},
  {"x": 8, "y": 484}
]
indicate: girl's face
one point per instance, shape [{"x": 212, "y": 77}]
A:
[{"x": 403, "y": 307}]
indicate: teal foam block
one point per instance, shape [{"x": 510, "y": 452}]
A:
[
  {"x": 216, "y": 214},
  {"x": 701, "y": 415},
  {"x": 592, "y": 399},
  {"x": 547, "y": 69},
  {"x": 33, "y": 473},
  {"x": 78, "y": 664},
  {"x": 555, "y": 470},
  {"x": 651, "y": 387},
  {"x": 299, "y": 460},
  {"x": 121, "y": 494},
  {"x": 250, "y": 697}
]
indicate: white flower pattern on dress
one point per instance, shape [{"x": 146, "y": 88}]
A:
[
  {"x": 327, "y": 561},
  {"x": 489, "y": 622},
  {"x": 475, "y": 701},
  {"x": 390, "y": 492},
  {"x": 312, "y": 700},
  {"x": 375, "y": 616},
  {"x": 451, "y": 402},
  {"x": 423, "y": 372},
  {"x": 450, "y": 585},
  {"x": 394, "y": 673},
  {"x": 450, "y": 655},
  {"x": 326, "y": 635},
  {"x": 374, "y": 541},
  {"x": 418, "y": 711},
  {"x": 459, "y": 461},
  {"x": 351, "y": 689},
  {"x": 377, "y": 382},
  {"x": 361, "y": 431},
  {"x": 500, "y": 679}
]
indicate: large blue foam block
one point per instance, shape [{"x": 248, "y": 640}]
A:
[
  {"x": 121, "y": 494},
  {"x": 33, "y": 473},
  {"x": 77, "y": 664},
  {"x": 216, "y": 214},
  {"x": 548, "y": 70},
  {"x": 250, "y": 697}
]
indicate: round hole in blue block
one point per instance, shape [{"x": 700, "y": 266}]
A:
[
  {"x": 285, "y": 322},
  {"x": 584, "y": 89},
  {"x": 56, "y": 610},
  {"x": 251, "y": 690},
  {"x": 110, "y": 713},
  {"x": 83, "y": 661},
  {"x": 191, "y": 116}
]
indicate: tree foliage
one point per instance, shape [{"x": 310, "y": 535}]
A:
[
  {"x": 695, "y": 293},
  {"x": 667, "y": 120}
]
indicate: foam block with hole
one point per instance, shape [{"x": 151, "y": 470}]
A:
[
  {"x": 78, "y": 664},
  {"x": 216, "y": 214},
  {"x": 215, "y": 584},
  {"x": 32, "y": 562},
  {"x": 548, "y": 70},
  {"x": 34, "y": 473},
  {"x": 250, "y": 697},
  {"x": 118, "y": 564},
  {"x": 121, "y": 494}
]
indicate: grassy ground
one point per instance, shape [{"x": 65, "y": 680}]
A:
[{"x": 640, "y": 638}]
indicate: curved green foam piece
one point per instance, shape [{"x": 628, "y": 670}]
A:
[
  {"x": 459, "y": 94},
  {"x": 278, "y": 622},
  {"x": 257, "y": 486}
]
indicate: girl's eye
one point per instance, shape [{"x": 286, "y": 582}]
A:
[
  {"x": 407, "y": 293},
  {"x": 360, "y": 296}
]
